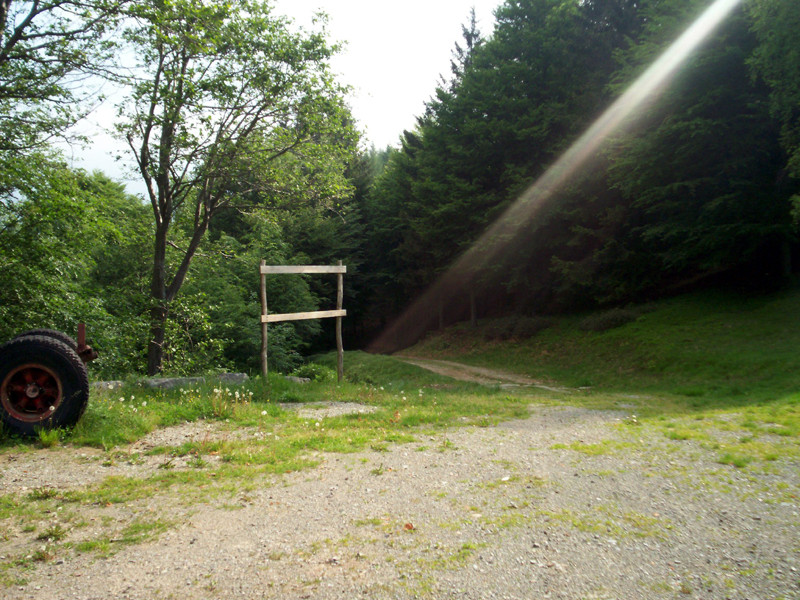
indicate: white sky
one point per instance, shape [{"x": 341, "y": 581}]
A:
[
  {"x": 393, "y": 56},
  {"x": 394, "y": 53}
]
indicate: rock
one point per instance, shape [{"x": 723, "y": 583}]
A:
[{"x": 166, "y": 383}]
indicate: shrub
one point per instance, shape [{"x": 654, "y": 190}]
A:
[
  {"x": 516, "y": 327},
  {"x": 610, "y": 319},
  {"x": 316, "y": 372},
  {"x": 500, "y": 329},
  {"x": 527, "y": 327}
]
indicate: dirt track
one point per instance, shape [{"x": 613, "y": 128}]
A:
[{"x": 475, "y": 374}]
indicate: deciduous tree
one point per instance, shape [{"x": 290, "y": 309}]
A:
[
  {"x": 227, "y": 99},
  {"x": 48, "y": 48}
]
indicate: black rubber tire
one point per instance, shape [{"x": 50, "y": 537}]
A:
[
  {"x": 43, "y": 385},
  {"x": 53, "y": 333}
]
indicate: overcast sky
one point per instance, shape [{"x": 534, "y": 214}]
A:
[
  {"x": 394, "y": 53},
  {"x": 393, "y": 56}
]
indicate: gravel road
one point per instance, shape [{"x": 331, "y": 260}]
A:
[{"x": 569, "y": 503}]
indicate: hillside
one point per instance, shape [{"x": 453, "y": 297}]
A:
[{"x": 702, "y": 349}]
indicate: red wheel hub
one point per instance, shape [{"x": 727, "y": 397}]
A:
[{"x": 31, "y": 393}]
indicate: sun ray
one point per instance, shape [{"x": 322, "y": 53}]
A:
[{"x": 456, "y": 281}]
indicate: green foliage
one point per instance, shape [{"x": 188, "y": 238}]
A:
[
  {"x": 230, "y": 106},
  {"x": 776, "y": 61},
  {"x": 70, "y": 252},
  {"x": 698, "y": 183},
  {"x": 695, "y": 191},
  {"x": 610, "y": 319},
  {"x": 48, "y": 48},
  {"x": 705, "y": 186},
  {"x": 316, "y": 372}
]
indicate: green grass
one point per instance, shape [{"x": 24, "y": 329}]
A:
[{"x": 698, "y": 351}]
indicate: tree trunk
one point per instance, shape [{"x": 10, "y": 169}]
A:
[
  {"x": 158, "y": 309},
  {"x": 155, "y": 351},
  {"x": 161, "y": 294}
]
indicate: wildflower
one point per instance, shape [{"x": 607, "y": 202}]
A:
[
  {"x": 52, "y": 408},
  {"x": 263, "y": 413},
  {"x": 144, "y": 403},
  {"x": 122, "y": 399}
]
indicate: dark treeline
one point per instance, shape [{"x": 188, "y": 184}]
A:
[
  {"x": 702, "y": 189},
  {"x": 699, "y": 190}
]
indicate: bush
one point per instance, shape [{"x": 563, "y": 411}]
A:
[
  {"x": 316, "y": 372},
  {"x": 500, "y": 329},
  {"x": 610, "y": 319},
  {"x": 527, "y": 327},
  {"x": 515, "y": 327}
]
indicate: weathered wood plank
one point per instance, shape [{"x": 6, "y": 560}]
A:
[
  {"x": 339, "y": 346},
  {"x": 264, "y": 331},
  {"x": 320, "y": 314},
  {"x": 301, "y": 269}
]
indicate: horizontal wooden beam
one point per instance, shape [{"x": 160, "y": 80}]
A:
[
  {"x": 319, "y": 314},
  {"x": 301, "y": 269}
]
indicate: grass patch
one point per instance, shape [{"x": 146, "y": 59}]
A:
[
  {"x": 694, "y": 352},
  {"x": 605, "y": 520}
]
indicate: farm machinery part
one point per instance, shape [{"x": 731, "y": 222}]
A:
[{"x": 44, "y": 383}]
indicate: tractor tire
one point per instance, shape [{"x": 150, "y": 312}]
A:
[
  {"x": 43, "y": 385},
  {"x": 53, "y": 333}
]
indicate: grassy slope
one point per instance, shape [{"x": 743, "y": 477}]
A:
[{"x": 702, "y": 350}]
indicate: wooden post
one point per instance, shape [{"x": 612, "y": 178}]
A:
[
  {"x": 264, "y": 323},
  {"x": 339, "y": 345},
  {"x": 339, "y": 270}
]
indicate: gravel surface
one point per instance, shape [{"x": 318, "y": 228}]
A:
[{"x": 568, "y": 503}]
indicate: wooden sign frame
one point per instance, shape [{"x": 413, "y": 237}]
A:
[{"x": 266, "y": 318}]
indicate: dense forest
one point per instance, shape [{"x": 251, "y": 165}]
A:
[{"x": 245, "y": 144}]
